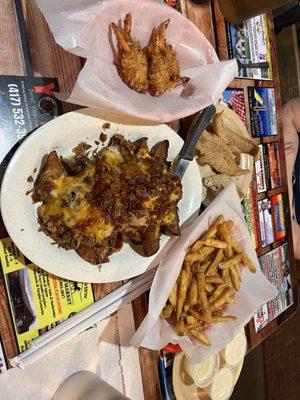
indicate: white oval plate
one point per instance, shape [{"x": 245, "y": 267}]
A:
[{"x": 20, "y": 217}]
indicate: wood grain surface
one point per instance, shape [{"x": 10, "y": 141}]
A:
[
  {"x": 10, "y": 50},
  {"x": 148, "y": 358},
  {"x": 201, "y": 16}
]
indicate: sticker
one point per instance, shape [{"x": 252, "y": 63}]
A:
[
  {"x": 260, "y": 172},
  {"x": 25, "y": 104},
  {"x": 274, "y": 173},
  {"x": 278, "y": 216},
  {"x": 250, "y": 42},
  {"x": 235, "y": 100},
  {"x": 265, "y": 222},
  {"x": 249, "y": 208},
  {"x": 275, "y": 266},
  {"x": 262, "y": 111}
]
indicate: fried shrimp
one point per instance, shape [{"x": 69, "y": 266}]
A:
[
  {"x": 133, "y": 64},
  {"x": 164, "y": 71}
]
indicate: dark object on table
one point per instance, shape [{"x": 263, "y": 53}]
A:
[
  {"x": 286, "y": 16},
  {"x": 237, "y": 12}
]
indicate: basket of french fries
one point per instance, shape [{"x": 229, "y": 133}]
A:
[{"x": 208, "y": 285}]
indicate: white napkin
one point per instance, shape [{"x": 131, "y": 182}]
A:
[{"x": 104, "y": 350}]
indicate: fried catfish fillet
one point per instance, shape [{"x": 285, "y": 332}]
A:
[
  {"x": 133, "y": 64},
  {"x": 213, "y": 151},
  {"x": 236, "y": 142},
  {"x": 164, "y": 71}
]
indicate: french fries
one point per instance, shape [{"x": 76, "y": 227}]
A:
[
  {"x": 193, "y": 292},
  {"x": 198, "y": 334},
  {"x": 210, "y": 276},
  {"x": 183, "y": 287},
  {"x": 231, "y": 261},
  {"x": 167, "y": 311},
  {"x": 173, "y": 295},
  {"x": 216, "y": 261},
  {"x": 202, "y": 299},
  {"x": 218, "y": 244}
]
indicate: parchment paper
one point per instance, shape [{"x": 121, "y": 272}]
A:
[
  {"x": 83, "y": 28},
  {"x": 154, "y": 332}
]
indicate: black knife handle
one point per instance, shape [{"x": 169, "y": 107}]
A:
[{"x": 197, "y": 127}]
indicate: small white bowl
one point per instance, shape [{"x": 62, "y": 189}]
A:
[
  {"x": 222, "y": 386},
  {"x": 204, "y": 372},
  {"x": 235, "y": 351}
]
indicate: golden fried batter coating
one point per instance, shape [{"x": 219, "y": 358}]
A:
[
  {"x": 133, "y": 62},
  {"x": 154, "y": 69},
  {"x": 164, "y": 71},
  {"x": 213, "y": 151}
]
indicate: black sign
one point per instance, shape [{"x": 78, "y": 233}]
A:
[{"x": 25, "y": 104}]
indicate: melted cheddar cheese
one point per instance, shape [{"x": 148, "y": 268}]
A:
[{"x": 68, "y": 200}]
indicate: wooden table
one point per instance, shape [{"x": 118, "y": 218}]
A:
[{"x": 50, "y": 60}]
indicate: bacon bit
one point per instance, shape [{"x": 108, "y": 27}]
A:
[
  {"x": 34, "y": 171},
  {"x": 102, "y": 137},
  {"x": 81, "y": 149},
  {"x": 30, "y": 179},
  {"x": 106, "y": 125}
]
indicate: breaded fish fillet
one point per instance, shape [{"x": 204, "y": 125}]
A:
[
  {"x": 236, "y": 142},
  {"x": 213, "y": 151}
]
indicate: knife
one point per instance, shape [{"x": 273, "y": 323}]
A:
[{"x": 186, "y": 154}]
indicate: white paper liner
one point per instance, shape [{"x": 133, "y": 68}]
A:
[
  {"x": 83, "y": 28},
  {"x": 154, "y": 332}
]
